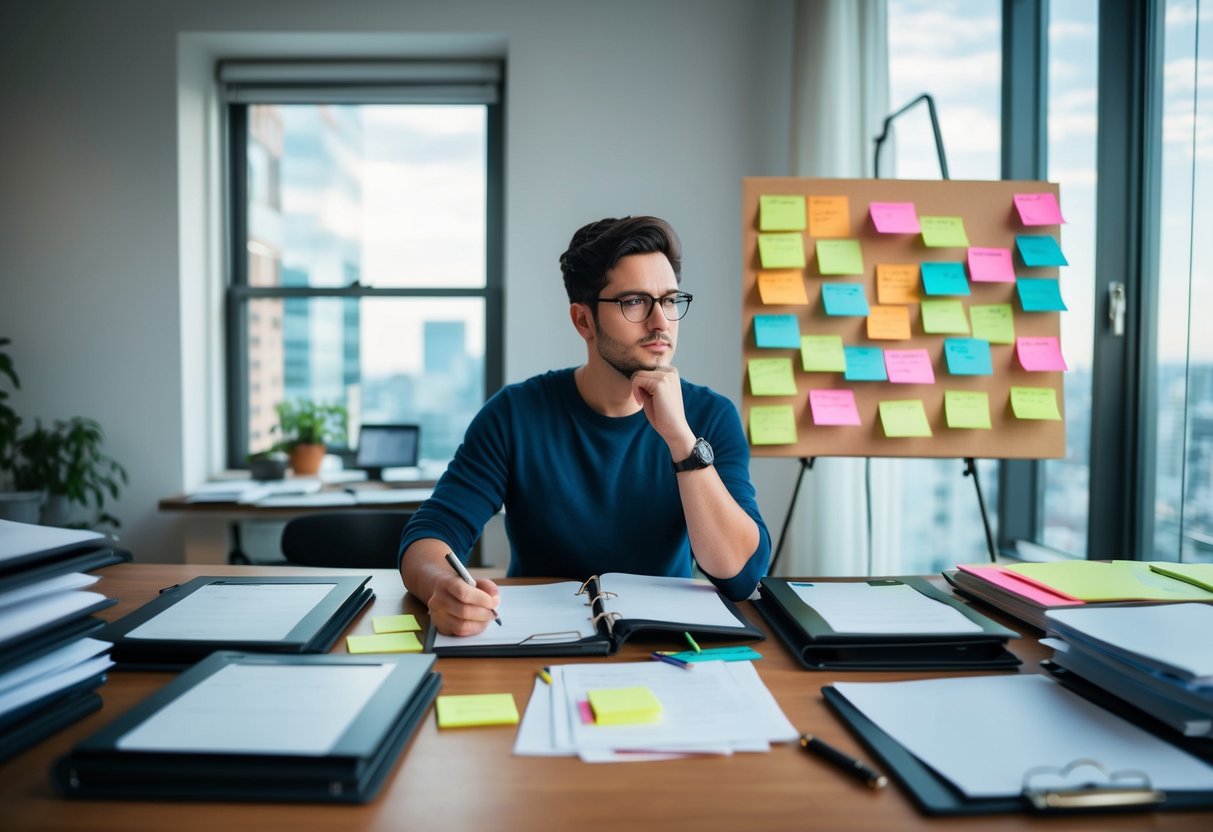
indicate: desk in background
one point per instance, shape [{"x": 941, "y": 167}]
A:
[{"x": 469, "y": 778}]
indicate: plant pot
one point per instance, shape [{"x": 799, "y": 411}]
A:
[
  {"x": 20, "y": 506},
  {"x": 56, "y": 511},
  {"x": 306, "y": 459},
  {"x": 267, "y": 469}
]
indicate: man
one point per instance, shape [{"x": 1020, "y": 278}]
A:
[{"x": 608, "y": 467}]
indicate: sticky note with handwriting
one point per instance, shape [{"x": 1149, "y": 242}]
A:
[{"x": 471, "y": 710}]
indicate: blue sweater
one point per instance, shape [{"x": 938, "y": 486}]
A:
[{"x": 585, "y": 493}]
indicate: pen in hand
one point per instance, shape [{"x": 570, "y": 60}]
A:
[
  {"x": 873, "y": 778},
  {"x": 462, "y": 572}
]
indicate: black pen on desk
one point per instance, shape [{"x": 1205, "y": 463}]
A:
[
  {"x": 677, "y": 662},
  {"x": 462, "y": 572},
  {"x": 873, "y": 778}
]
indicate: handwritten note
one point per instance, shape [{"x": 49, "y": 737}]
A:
[
  {"x": 782, "y": 289},
  {"x": 1040, "y": 294},
  {"x": 1038, "y": 209},
  {"x": 771, "y": 377},
  {"x": 829, "y": 216},
  {"x": 1039, "y": 250},
  {"x": 967, "y": 409},
  {"x": 781, "y": 251},
  {"x": 781, "y": 213},
  {"x": 777, "y": 331},
  {"x": 894, "y": 217},
  {"x": 968, "y": 357},
  {"x": 845, "y": 299},
  {"x": 1039, "y": 354},
  {"x": 944, "y": 317},
  {"x": 901, "y": 419},
  {"x": 1035, "y": 403},
  {"x": 865, "y": 364},
  {"x": 897, "y": 283},
  {"x": 833, "y": 407},
  {"x": 944, "y": 232},
  {"x": 772, "y": 424},
  {"x": 839, "y": 257},
  {"x": 469, "y": 710},
  {"x": 909, "y": 367},
  {"x": 944, "y": 279},
  {"x": 991, "y": 265},
  {"x": 822, "y": 354},
  {"x": 993, "y": 322},
  {"x": 889, "y": 323}
]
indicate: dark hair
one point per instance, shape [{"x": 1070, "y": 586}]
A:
[{"x": 596, "y": 248}]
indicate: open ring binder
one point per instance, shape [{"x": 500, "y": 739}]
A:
[{"x": 1110, "y": 791}]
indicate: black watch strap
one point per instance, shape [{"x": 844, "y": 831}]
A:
[{"x": 701, "y": 457}]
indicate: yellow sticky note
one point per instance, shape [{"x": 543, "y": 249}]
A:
[
  {"x": 1035, "y": 403},
  {"x": 624, "y": 706},
  {"x": 944, "y": 317},
  {"x": 944, "y": 232},
  {"x": 904, "y": 418},
  {"x": 897, "y": 283},
  {"x": 822, "y": 354},
  {"x": 967, "y": 409},
  {"x": 889, "y": 323},
  {"x": 771, "y": 377},
  {"x": 772, "y": 424},
  {"x": 782, "y": 289},
  {"x": 839, "y": 257},
  {"x": 993, "y": 322},
  {"x": 829, "y": 216},
  {"x": 395, "y": 623},
  {"x": 780, "y": 213},
  {"x": 384, "y": 643},
  {"x": 476, "y": 709},
  {"x": 781, "y": 251}
]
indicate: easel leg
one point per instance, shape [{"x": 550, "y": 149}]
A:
[
  {"x": 971, "y": 471},
  {"x": 806, "y": 462}
]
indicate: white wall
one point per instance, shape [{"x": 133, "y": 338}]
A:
[{"x": 619, "y": 107}]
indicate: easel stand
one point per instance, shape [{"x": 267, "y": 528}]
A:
[
  {"x": 806, "y": 463},
  {"x": 971, "y": 471}
]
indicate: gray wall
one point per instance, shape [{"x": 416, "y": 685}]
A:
[{"x": 109, "y": 226}]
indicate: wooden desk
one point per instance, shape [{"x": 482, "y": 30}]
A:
[{"x": 469, "y": 780}]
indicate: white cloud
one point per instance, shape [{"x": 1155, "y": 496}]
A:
[
  {"x": 974, "y": 73},
  {"x": 1072, "y": 29}
]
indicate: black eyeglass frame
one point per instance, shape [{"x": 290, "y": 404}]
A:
[{"x": 680, "y": 299}]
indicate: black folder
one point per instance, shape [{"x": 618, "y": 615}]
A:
[
  {"x": 83, "y": 557},
  {"x": 106, "y": 765},
  {"x": 817, "y": 646},
  {"x": 34, "y": 722},
  {"x": 314, "y": 632}
]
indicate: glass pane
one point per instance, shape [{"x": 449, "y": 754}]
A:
[
  {"x": 1073, "y": 98},
  {"x": 387, "y": 195},
  {"x": 384, "y": 359}
]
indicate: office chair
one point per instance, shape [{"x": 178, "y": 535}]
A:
[{"x": 355, "y": 539}]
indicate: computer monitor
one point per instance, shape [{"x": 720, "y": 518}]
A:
[{"x": 387, "y": 446}]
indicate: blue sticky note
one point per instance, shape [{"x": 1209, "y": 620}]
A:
[
  {"x": 968, "y": 356},
  {"x": 865, "y": 364},
  {"x": 1040, "y": 294},
  {"x": 777, "y": 332},
  {"x": 844, "y": 299},
  {"x": 1039, "y": 250},
  {"x": 944, "y": 279}
]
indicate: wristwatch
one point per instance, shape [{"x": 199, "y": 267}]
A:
[{"x": 701, "y": 457}]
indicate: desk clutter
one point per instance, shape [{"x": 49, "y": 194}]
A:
[{"x": 50, "y": 664}]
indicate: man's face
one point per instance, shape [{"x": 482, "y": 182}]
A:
[{"x": 630, "y": 346}]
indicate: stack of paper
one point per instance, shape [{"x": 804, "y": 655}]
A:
[
  {"x": 49, "y": 668},
  {"x": 716, "y": 708},
  {"x": 1156, "y": 657}
]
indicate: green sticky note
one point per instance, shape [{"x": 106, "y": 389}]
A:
[
  {"x": 822, "y": 354},
  {"x": 943, "y": 232},
  {"x": 772, "y": 424},
  {"x": 1197, "y": 574},
  {"x": 839, "y": 257},
  {"x": 476, "y": 709},
  {"x": 624, "y": 706},
  {"x": 944, "y": 317},
  {"x": 967, "y": 409},
  {"x": 384, "y": 643},
  {"x": 771, "y": 377},
  {"x": 1035, "y": 403},
  {"x": 904, "y": 418},
  {"x": 993, "y": 322},
  {"x": 395, "y": 623},
  {"x": 781, "y": 251},
  {"x": 1120, "y": 580},
  {"x": 781, "y": 213}
]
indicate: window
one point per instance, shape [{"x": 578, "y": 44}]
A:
[{"x": 366, "y": 255}]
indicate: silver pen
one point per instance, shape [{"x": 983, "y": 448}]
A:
[{"x": 462, "y": 572}]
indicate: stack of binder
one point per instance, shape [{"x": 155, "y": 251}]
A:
[
  {"x": 881, "y": 624},
  {"x": 50, "y": 666}
]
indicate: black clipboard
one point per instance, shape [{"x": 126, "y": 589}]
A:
[
  {"x": 315, "y": 632},
  {"x": 351, "y": 772},
  {"x": 817, "y": 646}
]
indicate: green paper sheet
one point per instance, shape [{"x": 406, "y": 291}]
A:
[
  {"x": 967, "y": 409},
  {"x": 1120, "y": 580},
  {"x": 771, "y": 377},
  {"x": 904, "y": 419},
  {"x": 772, "y": 424},
  {"x": 781, "y": 213},
  {"x": 781, "y": 251}
]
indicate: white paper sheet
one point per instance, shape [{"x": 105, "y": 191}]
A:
[
  {"x": 50, "y": 683},
  {"x": 539, "y": 614},
  {"x": 26, "y": 616},
  {"x": 51, "y": 586},
  {"x": 236, "y": 612},
  {"x": 1170, "y": 637},
  {"x": 859, "y": 607},
  {"x": 56, "y": 661},
  {"x": 687, "y": 601},
  {"x": 21, "y": 539}
]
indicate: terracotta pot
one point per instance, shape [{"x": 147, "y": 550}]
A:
[{"x": 306, "y": 458}]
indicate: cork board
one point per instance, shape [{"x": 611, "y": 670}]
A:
[{"x": 990, "y": 220}]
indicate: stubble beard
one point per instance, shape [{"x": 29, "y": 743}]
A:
[{"x": 619, "y": 358}]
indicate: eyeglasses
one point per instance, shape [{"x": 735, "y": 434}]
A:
[{"x": 637, "y": 308}]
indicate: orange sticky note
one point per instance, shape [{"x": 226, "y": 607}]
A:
[
  {"x": 897, "y": 283},
  {"x": 829, "y": 216},
  {"x": 782, "y": 288},
  {"x": 889, "y": 323}
]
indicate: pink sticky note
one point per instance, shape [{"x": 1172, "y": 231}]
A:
[
  {"x": 1038, "y": 209},
  {"x": 833, "y": 407},
  {"x": 1020, "y": 585},
  {"x": 909, "y": 367},
  {"x": 1040, "y": 354},
  {"x": 586, "y": 712},
  {"x": 894, "y": 217},
  {"x": 991, "y": 265}
]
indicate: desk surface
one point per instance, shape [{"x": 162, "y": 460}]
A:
[{"x": 468, "y": 779}]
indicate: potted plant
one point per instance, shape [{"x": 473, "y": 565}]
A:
[
  {"x": 66, "y": 462},
  {"x": 306, "y": 428},
  {"x": 267, "y": 465},
  {"x": 21, "y": 506}
]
